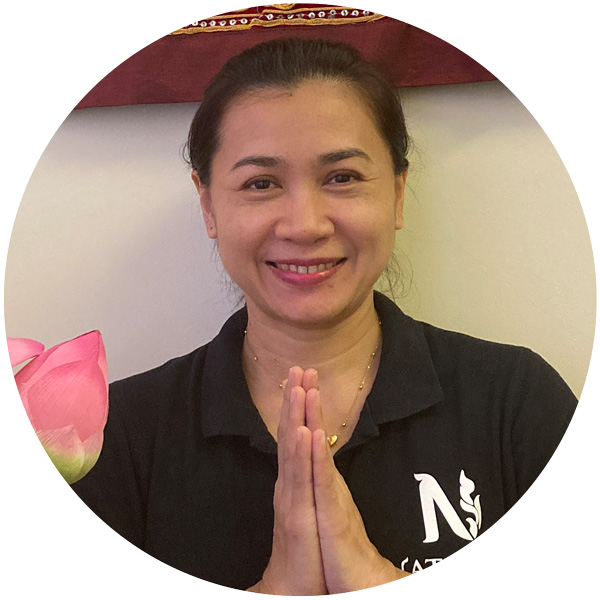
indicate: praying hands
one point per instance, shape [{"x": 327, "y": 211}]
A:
[{"x": 320, "y": 545}]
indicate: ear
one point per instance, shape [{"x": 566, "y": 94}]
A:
[
  {"x": 206, "y": 204},
  {"x": 399, "y": 192}
]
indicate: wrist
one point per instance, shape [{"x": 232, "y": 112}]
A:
[
  {"x": 271, "y": 584},
  {"x": 384, "y": 571},
  {"x": 256, "y": 588},
  {"x": 265, "y": 585},
  {"x": 262, "y": 587}
]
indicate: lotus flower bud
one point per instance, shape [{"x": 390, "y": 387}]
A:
[{"x": 65, "y": 393}]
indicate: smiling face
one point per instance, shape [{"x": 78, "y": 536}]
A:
[{"x": 303, "y": 202}]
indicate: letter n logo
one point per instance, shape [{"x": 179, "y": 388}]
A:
[{"x": 432, "y": 495}]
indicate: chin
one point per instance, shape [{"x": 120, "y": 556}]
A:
[{"x": 315, "y": 312}]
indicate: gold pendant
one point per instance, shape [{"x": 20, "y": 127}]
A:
[{"x": 332, "y": 439}]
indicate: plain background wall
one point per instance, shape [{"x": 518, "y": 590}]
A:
[{"x": 109, "y": 234}]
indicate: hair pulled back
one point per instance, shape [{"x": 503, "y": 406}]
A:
[{"x": 286, "y": 63}]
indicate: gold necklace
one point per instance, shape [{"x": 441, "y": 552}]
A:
[
  {"x": 254, "y": 357},
  {"x": 332, "y": 439}
]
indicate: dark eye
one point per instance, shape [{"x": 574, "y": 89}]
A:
[
  {"x": 343, "y": 178},
  {"x": 260, "y": 184}
]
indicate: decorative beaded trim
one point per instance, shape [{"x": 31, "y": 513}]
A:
[{"x": 273, "y": 15}]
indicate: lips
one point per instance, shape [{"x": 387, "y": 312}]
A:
[
  {"x": 306, "y": 267},
  {"x": 305, "y": 272}
]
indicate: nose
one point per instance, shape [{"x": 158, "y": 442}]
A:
[{"x": 305, "y": 217}]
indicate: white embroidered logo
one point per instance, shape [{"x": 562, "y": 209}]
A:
[{"x": 432, "y": 495}]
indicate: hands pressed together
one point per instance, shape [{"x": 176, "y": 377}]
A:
[{"x": 320, "y": 545}]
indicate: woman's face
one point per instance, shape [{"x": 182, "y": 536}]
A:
[{"x": 303, "y": 202}]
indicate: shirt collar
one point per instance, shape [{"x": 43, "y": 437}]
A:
[{"x": 406, "y": 381}]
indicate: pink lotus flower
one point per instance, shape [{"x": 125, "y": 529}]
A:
[{"x": 65, "y": 394}]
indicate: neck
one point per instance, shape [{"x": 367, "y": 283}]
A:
[
  {"x": 340, "y": 352},
  {"x": 331, "y": 349}
]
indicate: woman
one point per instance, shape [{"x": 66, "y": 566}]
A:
[{"x": 323, "y": 442}]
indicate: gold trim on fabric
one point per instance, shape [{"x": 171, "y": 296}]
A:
[{"x": 278, "y": 16}]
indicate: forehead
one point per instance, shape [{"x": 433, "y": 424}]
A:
[{"x": 315, "y": 116}]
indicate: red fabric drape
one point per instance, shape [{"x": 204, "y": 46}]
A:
[{"x": 177, "y": 68}]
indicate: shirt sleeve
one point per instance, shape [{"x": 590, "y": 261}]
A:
[
  {"x": 113, "y": 489},
  {"x": 543, "y": 408}
]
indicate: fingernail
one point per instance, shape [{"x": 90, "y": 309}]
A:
[{"x": 298, "y": 434}]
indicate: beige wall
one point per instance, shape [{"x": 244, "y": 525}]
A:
[{"x": 109, "y": 234}]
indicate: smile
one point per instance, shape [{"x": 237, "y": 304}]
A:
[
  {"x": 306, "y": 268},
  {"x": 306, "y": 272}
]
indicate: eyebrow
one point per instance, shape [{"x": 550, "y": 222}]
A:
[
  {"x": 259, "y": 161},
  {"x": 338, "y": 155},
  {"x": 323, "y": 159}
]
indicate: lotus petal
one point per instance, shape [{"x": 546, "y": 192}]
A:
[
  {"x": 65, "y": 450},
  {"x": 22, "y": 349},
  {"x": 86, "y": 347},
  {"x": 23, "y": 393},
  {"x": 73, "y": 394},
  {"x": 65, "y": 393},
  {"x": 91, "y": 448}
]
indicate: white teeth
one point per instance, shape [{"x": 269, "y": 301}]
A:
[{"x": 304, "y": 269}]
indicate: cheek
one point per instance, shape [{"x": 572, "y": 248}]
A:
[
  {"x": 238, "y": 242},
  {"x": 378, "y": 227},
  {"x": 379, "y": 239}
]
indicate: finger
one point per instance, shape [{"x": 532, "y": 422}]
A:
[
  {"x": 295, "y": 376},
  {"x": 283, "y": 418},
  {"x": 333, "y": 499},
  {"x": 310, "y": 379},
  {"x": 314, "y": 410},
  {"x": 296, "y": 418},
  {"x": 294, "y": 379},
  {"x": 303, "y": 499},
  {"x": 333, "y": 512},
  {"x": 347, "y": 553},
  {"x": 324, "y": 471},
  {"x": 286, "y": 446}
]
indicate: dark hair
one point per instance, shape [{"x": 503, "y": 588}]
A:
[{"x": 287, "y": 63}]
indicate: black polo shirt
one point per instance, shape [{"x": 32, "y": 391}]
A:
[{"x": 453, "y": 432}]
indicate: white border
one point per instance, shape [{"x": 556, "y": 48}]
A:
[{"x": 54, "y": 52}]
